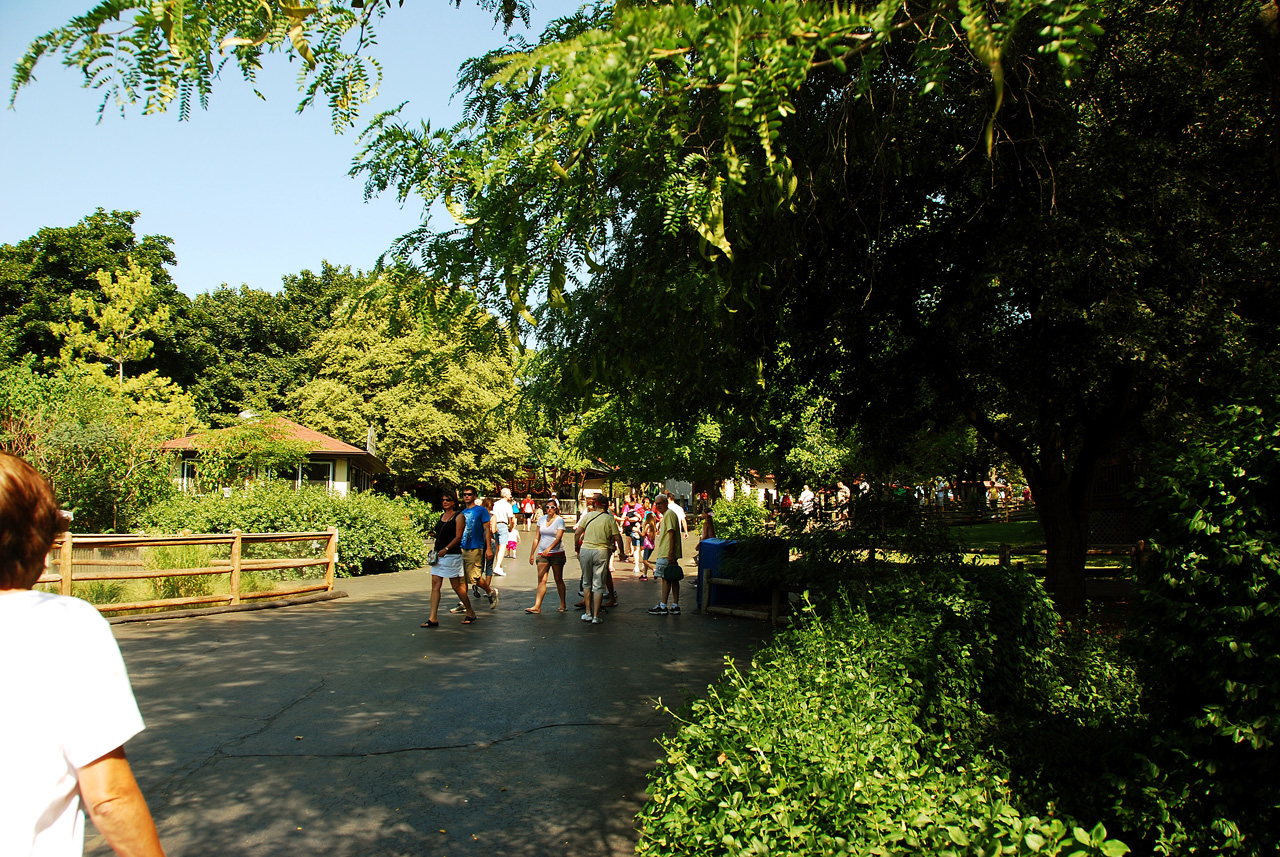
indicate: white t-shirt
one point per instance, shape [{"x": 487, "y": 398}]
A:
[
  {"x": 67, "y": 702},
  {"x": 679, "y": 510},
  {"x": 547, "y": 534},
  {"x": 503, "y": 512}
]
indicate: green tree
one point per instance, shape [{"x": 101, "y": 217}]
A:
[
  {"x": 1041, "y": 215},
  {"x": 99, "y": 449},
  {"x": 119, "y": 323},
  {"x": 45, "y": 277},
  {"x": 251, "y": 345},
  {"x": 442, "y": 412}
]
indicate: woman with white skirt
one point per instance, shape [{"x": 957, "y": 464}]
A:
[{"x": 449, "y": 561}]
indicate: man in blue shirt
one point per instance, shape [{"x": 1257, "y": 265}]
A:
[{"x": 477, "y": 546}]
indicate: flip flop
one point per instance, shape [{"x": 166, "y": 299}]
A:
[
  {"x": 470, "y": 619},
  {"x": 531, "y": 610},
  {"x": 429, "y": 624}
]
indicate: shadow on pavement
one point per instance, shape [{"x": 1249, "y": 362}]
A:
[{"x": 343, "y": 728}]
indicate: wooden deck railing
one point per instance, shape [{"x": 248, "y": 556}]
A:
[{"x": 65, "y": 568}]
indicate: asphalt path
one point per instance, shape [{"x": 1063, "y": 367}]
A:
[{"x": 342, "y": 728}]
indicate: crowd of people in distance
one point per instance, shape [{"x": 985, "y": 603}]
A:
[{"x": 475, "y": 534}]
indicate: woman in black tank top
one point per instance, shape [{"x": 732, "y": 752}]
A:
[{"x": 449, "y": 561}]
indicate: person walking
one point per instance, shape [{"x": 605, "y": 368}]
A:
[
  {"x": 448, "y": 565},
  {"x": 64, "y": 730},
  {"x": 678, "y": 510},
  {"x": 648, "y": 529},
  {"x": 596, "y": 535},
  {"x": 504, "y": 520},
  {"x": 548, "y": 551},
  {"x": 526, "y": 508},
  {"x": 477, "y": 547},
  {"x": 667, "y": 548}
]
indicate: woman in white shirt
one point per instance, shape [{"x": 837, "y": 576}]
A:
[
  {"x": 65, "y": 732},
  {"x": 548, "y": 551}
]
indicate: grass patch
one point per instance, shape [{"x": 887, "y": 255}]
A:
[{"x": 995, "y": 534}]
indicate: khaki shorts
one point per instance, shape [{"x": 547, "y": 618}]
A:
[{"x": 473, "y": 564}]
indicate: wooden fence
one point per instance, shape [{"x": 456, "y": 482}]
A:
[{"x": 85, "y": 559}]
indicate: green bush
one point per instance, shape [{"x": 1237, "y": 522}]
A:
[
  {"x": 180, "y": 557},
  {"x": 828, "y": 747},
  {"x": 739, "y": 518},
  {"x": 1210, "y": 778},
  {"x": 420, "y": 514},
  {"x": 374, "y": 533}
]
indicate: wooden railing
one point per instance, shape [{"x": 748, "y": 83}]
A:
[{"x": 65, "y": 568}]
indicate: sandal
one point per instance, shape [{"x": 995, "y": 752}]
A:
[
  {"x": 429, "y": 624},
  {"x": 531, "y": 610},
  {"x": 470, "y": 619}
]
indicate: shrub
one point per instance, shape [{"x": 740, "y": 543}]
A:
[
  {"x": 1211, "y": 603},
  {"x": 826, "y": 747},
  {"x": 180, "y": 557},
  {"x": 374, "y": 533},
  {"x": 739, "y": 518}
]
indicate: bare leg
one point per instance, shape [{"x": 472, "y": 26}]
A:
[
  {"x": 436, "y": 584},
  {"x": 559, "y": 573},
  {"x": 673, "y": 595},
  {"x": 541, "y": 591},
  {"x": 608, "y": 586},
  {"x": 460, "y": 586}
]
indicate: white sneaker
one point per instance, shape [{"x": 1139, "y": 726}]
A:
[
  {"x": 497, "y": 572},
  {"x": 586, "y": 617},
  {"x": 597, "y": 621}
]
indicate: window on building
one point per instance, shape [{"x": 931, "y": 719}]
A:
[{"x": 316, "y": 473}]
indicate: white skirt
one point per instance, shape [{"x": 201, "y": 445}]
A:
[{"x": 448, "y": 565}]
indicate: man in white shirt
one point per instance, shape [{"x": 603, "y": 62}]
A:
[
  {"x": 504, "y": 518},
  {"x": 679, "y": 510}
]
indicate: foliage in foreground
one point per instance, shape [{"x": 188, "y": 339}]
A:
[
  {"x": 1211, "y": 605},
  {"x": 844, "y": 739},
  {"x": 374, "y": 533}
]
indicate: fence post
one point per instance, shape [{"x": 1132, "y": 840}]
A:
[
  {"x": 64, "y": 564},
  {"x": 1005, "y": 555},
  {"x": 235, "y": 566},
  {"x": 331, "y": 554}
]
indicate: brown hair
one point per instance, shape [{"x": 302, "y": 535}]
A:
[{"x": 29, "y": 522}]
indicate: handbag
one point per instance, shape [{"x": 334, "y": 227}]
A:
[{"x": 433, "y": 556}]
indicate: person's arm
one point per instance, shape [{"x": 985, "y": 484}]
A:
[
  {"x": 533, "y": 544},
  {"x": 461, "y": 521},
  {"x": 488, "y": 537},
  {"x": 116, "y": 805}
]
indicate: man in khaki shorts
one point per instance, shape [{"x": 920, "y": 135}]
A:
[
  {"x": 477, "y": 546},
  {"x": 667, "y": 550},
  {"x": 597, "y": 535}
]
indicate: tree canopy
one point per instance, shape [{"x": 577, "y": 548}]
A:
[{"x": 1040, "y": 215}]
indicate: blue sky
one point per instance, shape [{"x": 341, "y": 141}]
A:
[{"x": 248, "y": 190}]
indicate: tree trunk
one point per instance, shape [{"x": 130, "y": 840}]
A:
[
  {"x": 1266, "y": 29},
  {"x": 1065, "y": 520}
]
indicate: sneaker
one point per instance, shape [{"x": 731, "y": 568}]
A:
[
  {"x": 658, "y": 610},
  {"x": 493, "y": 599},
  {"x": 674, "y": 610},
  {"x": 458, "y": 609},
  {"x": 597, "y": 621},
  {"x": 586, "y": 617},
  {"x": 497, "y": 572}
]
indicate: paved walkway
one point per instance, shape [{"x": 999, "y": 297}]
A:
[{"x": 342, "y": 728}]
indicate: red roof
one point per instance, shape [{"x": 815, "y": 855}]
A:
[{"x": 321, "y": 443}]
